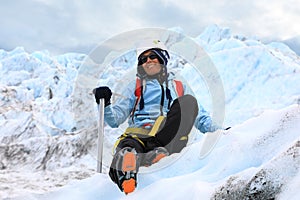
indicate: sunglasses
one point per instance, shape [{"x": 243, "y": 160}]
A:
[{"x": 143, "y": 59}]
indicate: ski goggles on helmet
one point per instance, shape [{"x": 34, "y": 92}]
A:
[{"x": 143, "y": 59}]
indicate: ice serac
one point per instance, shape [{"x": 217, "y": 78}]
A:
[{"x": 39, "y": 133}]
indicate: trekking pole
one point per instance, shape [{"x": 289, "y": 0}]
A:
[{"x": 100, "y": 135}]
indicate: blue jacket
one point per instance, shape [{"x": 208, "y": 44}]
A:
[{"x": 117, "y": 113}]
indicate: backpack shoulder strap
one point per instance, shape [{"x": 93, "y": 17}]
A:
[
  {"x": 137, "y": 93},
  {"x": 179, "y": 88},
  {"x": 138, "y": 89}
]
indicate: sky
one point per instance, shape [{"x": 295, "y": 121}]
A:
[{"x": 62, "y": 26}]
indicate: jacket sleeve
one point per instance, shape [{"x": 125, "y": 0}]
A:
[
  {"x": 116, "y": 113},
  {"x": 203, "y": 120}
]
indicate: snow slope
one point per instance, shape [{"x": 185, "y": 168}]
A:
[
  {"x": 261, "y": 160},
  {"x": 46, "y": 154}
]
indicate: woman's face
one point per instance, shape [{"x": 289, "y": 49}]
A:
[{"x": 151, "y": 63}]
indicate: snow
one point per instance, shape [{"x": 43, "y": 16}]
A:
[{"x": 49, "y": 130}]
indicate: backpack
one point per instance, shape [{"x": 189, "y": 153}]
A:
[{"x": 138, "y": 91}]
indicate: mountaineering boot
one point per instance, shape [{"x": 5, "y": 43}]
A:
[
  {"x": 155, "y": 155},
  {"x": 128, "y": 168}
]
